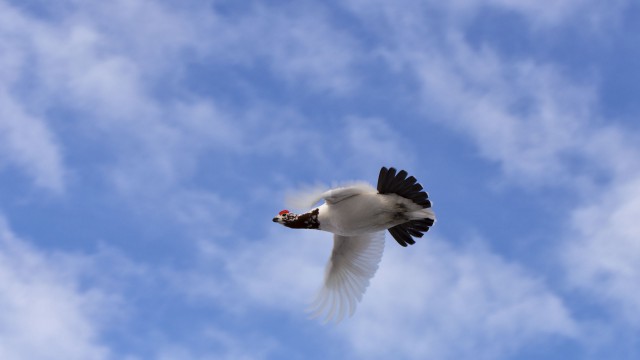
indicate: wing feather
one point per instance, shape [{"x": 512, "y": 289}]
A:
[
  {"x": 354, "y": 261},
  {"x": 306, "y": 199}
]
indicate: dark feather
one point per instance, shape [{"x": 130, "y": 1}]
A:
[
  {"x": 406, "y": 185},
  {"x": 415, "y": 233},
  {"x": 401, "y": 235},
  {"x": 397, "y": 234},
  {"x": 399, "y": 183},
  {"x": 381, "y": 177},
  {"x": 388, "y": 181}
]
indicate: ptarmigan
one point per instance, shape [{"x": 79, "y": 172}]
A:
[{"x": 357, "y": 215}]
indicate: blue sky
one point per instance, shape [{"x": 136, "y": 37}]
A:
[{"x": 146, "y": 145}]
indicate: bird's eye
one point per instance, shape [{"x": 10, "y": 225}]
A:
[{"x": 283, "y": 212}]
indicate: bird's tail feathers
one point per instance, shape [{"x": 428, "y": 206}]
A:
[{"x": 391, "y": 181}]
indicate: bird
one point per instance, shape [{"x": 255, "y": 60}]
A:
[{"x": 358, "y": 215}]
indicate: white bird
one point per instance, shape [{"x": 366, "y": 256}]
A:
[{"x": 357, "y": 215}]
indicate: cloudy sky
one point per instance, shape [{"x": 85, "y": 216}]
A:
[{"x": 146, "y": 145}]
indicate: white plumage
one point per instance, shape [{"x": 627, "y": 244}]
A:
[
  {"x": 357, "y": 215},
  {"x": 354, "y": 260}
]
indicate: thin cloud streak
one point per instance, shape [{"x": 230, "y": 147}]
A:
[
  {"x": 46, "y": 315},
  {"x": 27, "y": 142},
  {"x": 439, "y": 295}
]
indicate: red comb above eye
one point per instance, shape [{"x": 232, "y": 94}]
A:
[{"x": 283, "y": 212}]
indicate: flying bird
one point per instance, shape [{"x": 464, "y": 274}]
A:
[{"x": 358, "y": 215}]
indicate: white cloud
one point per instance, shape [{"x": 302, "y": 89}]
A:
[
  {"x": 282, "y": 271},
  {"x": 27, "y": 142},
  {"x": 227, "y": 347},
  {"x": 520, "y": 112},
  {"x": 523, "y": 115},
  {"x": 541, "y": 128},
  {"x": 304, "y": 46},
  {"x": 101, "y": 64},
  {"x": 443, "y": 302},
  {"x": 121, "y": 71},
  {"x": 59, "y": 305},
  {"x": 602, "y": 251},
  {"x": 46, "y": 314},
  {"x": 373, "y": 143},
  {"x": 539, "y": 15},
  {"x": 420, "y": 302},
  {"x": 298, "y": 43}
]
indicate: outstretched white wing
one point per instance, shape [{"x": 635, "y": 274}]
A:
[
  {"x": 308, "y": 198},
  {"x": 353, "y": 263}
]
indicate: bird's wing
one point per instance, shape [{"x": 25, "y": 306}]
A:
[
  {"x": 353, "y": 263},
  {"x": 307, "y": 199}
]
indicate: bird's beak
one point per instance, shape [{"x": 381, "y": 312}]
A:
[{"x": 275, "y": 219}]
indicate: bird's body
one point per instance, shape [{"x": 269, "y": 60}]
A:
[
  {"x": 366, "y": 213},
  {"x": 357, "y": 215}
]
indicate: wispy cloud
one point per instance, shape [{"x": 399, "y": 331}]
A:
[
  {"x": 542, "y": 128},
  {"x": 46, "y": 312},
  {"x": 27, "y": 143},
  {"x": 538, "y": 16},
  {"x": 221, "y": 345},
  {"x": 602, "y": 252},
  {"x": 545, "y": 129},
  {"x": 438, "y": 295},
  {"x": 276, "y": 272},
  {"x": 526, "y": 116},
  {"x": 26, "y": 139},
  {"x": 521, "y": 112},
  {"x": 374, "y": 142},
  {"x": 119, "y": 70},
  {"x": 296, "y": 42},
  {"x": 435, "y": 295}
]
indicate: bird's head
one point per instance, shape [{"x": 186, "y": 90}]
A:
[{"x": 284, "y": 217}]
